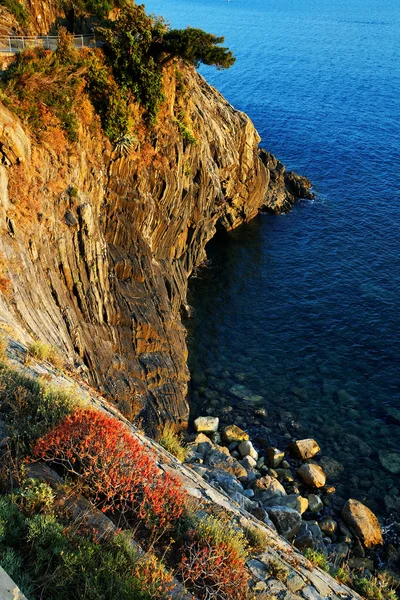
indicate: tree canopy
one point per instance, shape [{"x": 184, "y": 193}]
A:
[{"x": 197, "y": 46}]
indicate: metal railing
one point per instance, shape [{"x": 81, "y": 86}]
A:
[{"x": 15, "y": 44}]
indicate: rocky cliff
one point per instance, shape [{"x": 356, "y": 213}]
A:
[{"x": 96, "y": 246}]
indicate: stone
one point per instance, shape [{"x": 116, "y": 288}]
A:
[
  {"x": 249, "y": 493},
  {"x": 294, "y": 501},
  {"x": 224, "y": 480},
  {"x": 247, "y": 449},
  {"x": 8, "y": 589},
  {"x": 310, "y": 536},
  {"x": 249, "y": 463},
  {"x": 216, "y": 438},
  {"x": 287, "y": 520},
  {"x": 363, "y": 522},
  {"x": 202, "y": 438},
  {"x": 261, "y": 413},
  {"x": 390, "y": 461},
  {"x": 315, "y": 503},
  {"x": 267, "y": 487},
  {"x": 275, "y": 457},
  {"x": 312, "y": 475},
  {"x": 192, "y": 456},
  {"x": 204, "y": 448},
  {"x": 261, "y": 514},
  {"x": 232, "y": 433},
  {"x": 310, "y": 593},
  {"x": 342, "y": 550},
  {"x": 328, "y": 525},
  {"x": 284, "y": 474},
  {"x": 242, "y": 501},
  {"x": 219, "y": 460},
  {"x": 206, "y": 424},
  {"x": 294, "y": 582},
  {"x": 304, "y": 449},
  {"x": 359, "y": 564}
]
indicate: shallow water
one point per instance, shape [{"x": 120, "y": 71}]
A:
[{"x": 303, "y": 310}]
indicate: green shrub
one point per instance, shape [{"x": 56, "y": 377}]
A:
[
  {"x": 39, "y": 350},
  {"x": 317, "y": 558},
  {"x": 185, "y": 132},
  {"x": 30, "y": 408},
  {"x": 213, "y": 558},
  {"x": 50, "y": 560},
  {"x": 256, "y": 538},
  {"x": 3, "y": 347},
  {"x": 278, "y": 569},
  {"x": 17, "y": 9},
  {"x": 375, "y": 588},
  {"x": 35, "y": 497},
  {"x": 172, "y": 442}
]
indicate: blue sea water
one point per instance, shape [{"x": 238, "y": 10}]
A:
[{"x": 303, "y": 310}]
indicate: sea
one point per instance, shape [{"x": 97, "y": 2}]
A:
[{"x": 299, "y": 314}]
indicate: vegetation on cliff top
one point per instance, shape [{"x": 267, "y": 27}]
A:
[{"x": 68, "y": 88}]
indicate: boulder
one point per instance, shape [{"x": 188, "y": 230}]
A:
[
  {"x": 328, "y": 525},
  {"x": 363, "y": 522},
  {"x": 294, "y": 501},
  {"x": 248, "y": 463},
  {"x": 312, "y": 475},
  {"x": 219, "y": 460},
  {"x": 247, "y": 449},
  {"x": 284, "y": 474},
  {"x": 315, "y": 503},
  {"x": 304, "y": 449},
  {"x": 310, "y": 536},
  {"x": 206, "y": 424},
  {"x": 275, "y": 457},
  {"x": 202, "y": 437},
  {"x": 233, "y": 433},
  {"x": 267, "y": 487},
  {"x": 225, "y": 481},
  {"x": 287, "y": 520}
]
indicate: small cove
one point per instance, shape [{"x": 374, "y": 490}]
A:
[{"x": 300, "y": 313}]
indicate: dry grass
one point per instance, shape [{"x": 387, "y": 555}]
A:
[
  {"x": 172, "y": 442},
  {"x": 41, "y": 351}
]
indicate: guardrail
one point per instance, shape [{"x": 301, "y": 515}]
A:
[{"x": 15, "y": 44}]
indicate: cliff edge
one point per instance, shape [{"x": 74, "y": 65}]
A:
[{"x": 97, "y": 246}]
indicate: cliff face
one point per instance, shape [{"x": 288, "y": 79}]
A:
[{"x": 96, "y": 248}]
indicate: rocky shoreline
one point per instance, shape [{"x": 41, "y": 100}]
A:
[{"x": 290, "y": 489}]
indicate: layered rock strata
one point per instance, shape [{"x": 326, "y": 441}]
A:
[{"x": 96, "y": 247}]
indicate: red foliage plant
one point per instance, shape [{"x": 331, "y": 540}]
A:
[
  {"x": 213, "y": 562},
  {"x": 115, "y": 470}
]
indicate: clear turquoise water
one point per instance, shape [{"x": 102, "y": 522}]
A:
[{"x": 300, "y": 307}]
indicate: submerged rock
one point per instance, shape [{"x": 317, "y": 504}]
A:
[
  {"x": 390, "y": 461},
  {"x": 363, "y": 522}
]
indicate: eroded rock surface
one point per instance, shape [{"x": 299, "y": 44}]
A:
[{"x": 97, "y": 247}]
